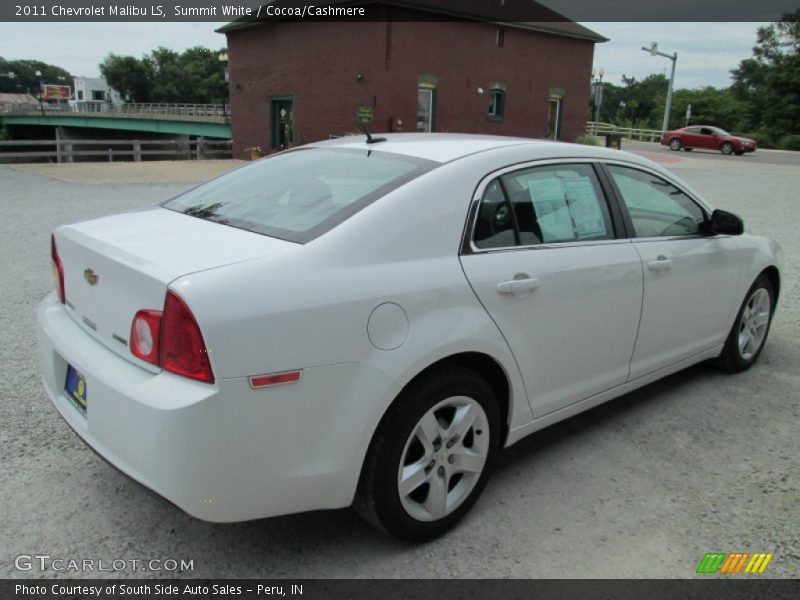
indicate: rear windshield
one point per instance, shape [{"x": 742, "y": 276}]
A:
[{"x": 301, "y": 194}]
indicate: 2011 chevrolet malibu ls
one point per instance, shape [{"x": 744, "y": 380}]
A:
[{"x": 370, "y": 321}]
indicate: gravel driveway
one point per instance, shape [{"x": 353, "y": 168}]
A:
[{"x": 643, "y": 486}]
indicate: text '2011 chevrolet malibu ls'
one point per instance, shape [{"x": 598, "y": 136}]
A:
[{"x": 369, "y": 322}]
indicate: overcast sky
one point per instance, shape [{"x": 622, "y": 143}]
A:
[{"x": 706, "y": 51}]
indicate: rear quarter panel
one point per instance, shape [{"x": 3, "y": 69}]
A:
[{"x": 311, "y": 307}]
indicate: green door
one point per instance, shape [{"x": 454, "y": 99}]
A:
[{"x": 281, "y": 111}]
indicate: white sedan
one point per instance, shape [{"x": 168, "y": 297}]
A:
[{"x": 369, "y": 322}]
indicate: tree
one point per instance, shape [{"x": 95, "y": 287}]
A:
[
  {"x": 131, "y": 77},
  {"x": 643, "y": 101},
  {"x": 769, "y": 82},
  {"x": 25, "y": 79},
  {"x": 163, "y": 75},
  {"x": 710, "y": 106}
]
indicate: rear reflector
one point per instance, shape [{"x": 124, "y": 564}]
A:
[
  {"x": 259, "y": 381},
  {"x": 58, "y": 270}
]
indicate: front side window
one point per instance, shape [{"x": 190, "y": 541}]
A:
[
  {"x": 656, "y": 207},
  {"x": 301, "y": 194},
  {"x": 543, "y": 205}
]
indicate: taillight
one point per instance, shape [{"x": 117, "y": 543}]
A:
[
  {"x": 171, "y": 340},
  {"x": 183, "y": 350},
  {"x": 145, "y": 340},
  {"x": 58, "y": 270}
]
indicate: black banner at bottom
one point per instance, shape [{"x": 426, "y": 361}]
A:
[{"x": 385, "y": 589}]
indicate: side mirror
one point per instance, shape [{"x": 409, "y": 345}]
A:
[{"x": 725, "y": 223}]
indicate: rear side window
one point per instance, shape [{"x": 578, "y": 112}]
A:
[
  {"x": 299, "y": 195},
  {"x": 543, "y": 205}
]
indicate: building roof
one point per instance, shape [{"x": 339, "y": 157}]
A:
[
  {"x": 519, "y": 14},
  {"x": 17, "y": 99}
]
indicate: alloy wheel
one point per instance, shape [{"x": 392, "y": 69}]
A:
[
  {"x": 443, "y": 458},
  {"x": 754, "y": 323}
]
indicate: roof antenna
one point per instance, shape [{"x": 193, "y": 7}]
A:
[{"x": 370, "y": 139}]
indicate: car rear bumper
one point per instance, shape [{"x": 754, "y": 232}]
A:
[{"x": 222, "y": 452}]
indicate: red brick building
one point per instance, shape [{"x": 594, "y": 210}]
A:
[{"x": 293, "y": 82}]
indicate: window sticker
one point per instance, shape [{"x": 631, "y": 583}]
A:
[
  {"x": 552, "y": 212},
  {"x": 566, "y": 209},
  {"x": 584, "y": 207}
]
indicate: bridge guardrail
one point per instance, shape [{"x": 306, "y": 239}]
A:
[{"x": 131, "y": 108}]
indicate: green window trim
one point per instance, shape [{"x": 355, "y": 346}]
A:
[{"x": 429, "y": 82}]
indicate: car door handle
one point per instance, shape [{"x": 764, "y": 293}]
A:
[
  {"x": 518, "y": 287},
  {"x": 662, "y": 263}
]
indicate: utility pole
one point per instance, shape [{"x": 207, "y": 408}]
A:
[{"x": 653, "y": 50}]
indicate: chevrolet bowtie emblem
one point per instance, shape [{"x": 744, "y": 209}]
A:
[{"x": 90, "y": 276}]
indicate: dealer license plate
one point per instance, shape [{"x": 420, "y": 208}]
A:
[{"x": 75, "y": 387}]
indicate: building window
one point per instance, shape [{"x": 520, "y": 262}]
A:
[
  {"x": 80, "y": 94},
  {"x": 501, "y": 36},
  {"x": 497, "y": 100},
  {"x": 497, "y": 104}
]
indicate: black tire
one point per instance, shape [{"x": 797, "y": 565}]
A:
[
  {"x": 726, "y": 148},
  {"x": 732, "y": 359},
  {"x": 675, "y": 144},
  {"x": 378, "y": 497}
]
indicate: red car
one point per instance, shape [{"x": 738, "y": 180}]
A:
[{"x": 705, "y": 136}]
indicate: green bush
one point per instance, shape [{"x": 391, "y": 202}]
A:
[
  {"x": 791, "y": 141},
  {"x": 587, "y": 140},
  {"x": 762, "y": 138}
]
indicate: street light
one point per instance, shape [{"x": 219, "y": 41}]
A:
[
  {"x": 653, "y": 50},
  {"x": 597, "y": 85},
  {"x": 41, "y": 90},
  {"x": 223, "y": 61}
]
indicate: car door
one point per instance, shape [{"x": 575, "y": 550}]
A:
[
  {"x": 691, "y": 137},
  {"x": 690, "y": 278},
  {"x": 563, "y": 287},
  {"x": 706, "y": 139}
]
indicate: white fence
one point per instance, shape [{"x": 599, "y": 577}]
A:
[{"x": 647, "y": 135}]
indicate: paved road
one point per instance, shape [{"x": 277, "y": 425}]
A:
[
  {"x": 643, "y": 486},
  {"x": 759, "y": 157}
]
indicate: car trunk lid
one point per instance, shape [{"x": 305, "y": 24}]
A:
[{"x": 115, "y": 266}]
